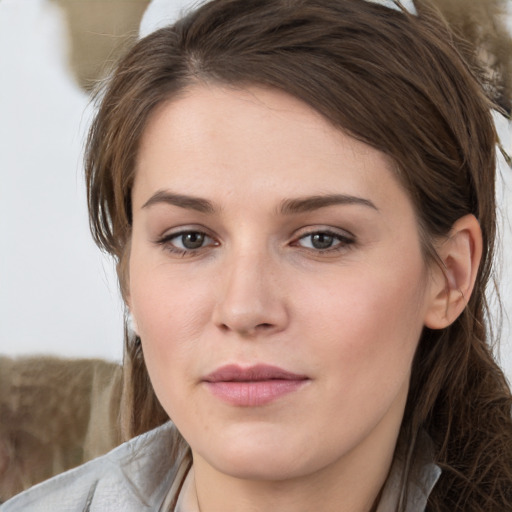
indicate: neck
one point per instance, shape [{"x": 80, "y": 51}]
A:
[{"x": 291, "y": 496}]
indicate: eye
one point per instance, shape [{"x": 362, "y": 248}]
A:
[
  {"x": 324, "y": 241},
  {"x": 191, "y": 240},
  {"x": 186, "y": 241}
]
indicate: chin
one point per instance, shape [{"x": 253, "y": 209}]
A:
[
  {"x": 265, "y": 458},
  {"x": 257, "y": 466}
]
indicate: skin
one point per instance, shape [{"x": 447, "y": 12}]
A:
[{"x": 258, "y": 291}]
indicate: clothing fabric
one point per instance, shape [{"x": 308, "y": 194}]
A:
[{"x": 140, "y": 476}]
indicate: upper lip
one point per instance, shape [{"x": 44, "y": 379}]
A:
[{"x": 259, "y": 372}]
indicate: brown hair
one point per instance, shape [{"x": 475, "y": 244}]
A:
[{"x": 394, "y": 81}]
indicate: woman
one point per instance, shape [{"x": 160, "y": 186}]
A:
[{"x": 300, "y": 198}]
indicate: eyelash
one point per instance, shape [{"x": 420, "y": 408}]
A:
[
  {"x": 166, "y": 242},
  {"x": 343, "y": 240}
]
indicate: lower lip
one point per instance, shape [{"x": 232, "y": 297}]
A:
[{"x": 253, "y": 393}]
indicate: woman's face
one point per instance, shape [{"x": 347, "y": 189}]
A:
[{"x": 277, "y": 283}]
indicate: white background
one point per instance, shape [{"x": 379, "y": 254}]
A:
[{"x": 58, "y": 294}]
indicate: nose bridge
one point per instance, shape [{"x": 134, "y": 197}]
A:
[{"x": 250, "y": 300}]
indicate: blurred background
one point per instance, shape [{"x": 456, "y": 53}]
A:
[{"x": 58, "y": 293}]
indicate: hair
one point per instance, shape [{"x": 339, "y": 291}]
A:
[{"x": 394, "y": 81}]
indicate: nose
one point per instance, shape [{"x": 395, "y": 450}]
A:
[{"x": 250, "y": 301}]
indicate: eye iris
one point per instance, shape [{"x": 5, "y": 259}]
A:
[
  {"x": 322, "y": 241},
  {"x": 192, "y": 240}
]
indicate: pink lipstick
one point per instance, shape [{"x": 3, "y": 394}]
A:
[{"x": 252, "y": 386}]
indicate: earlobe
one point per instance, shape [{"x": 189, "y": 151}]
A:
[
  {"x": 451, "y": 285},
  {"x": 132, "y": 323}
]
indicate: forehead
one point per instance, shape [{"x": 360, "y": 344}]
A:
[{"x": 235, "y": 143}]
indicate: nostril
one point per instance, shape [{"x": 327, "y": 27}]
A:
[{"x": 249, "y": 331}]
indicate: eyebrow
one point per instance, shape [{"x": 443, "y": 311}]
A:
[
  {"x": 311, "y": 203},
  {"x": 183, "y": 201},
  {"x": 287, "y": 207}
]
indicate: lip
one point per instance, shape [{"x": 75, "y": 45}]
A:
[{"x": 252, "y": 386}]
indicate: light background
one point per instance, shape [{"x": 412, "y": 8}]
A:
[{"x": 58, "y": 294}]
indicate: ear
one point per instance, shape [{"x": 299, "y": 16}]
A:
[
  {"x": 452, "y": 283},
  {"x": 132, "y": 323}
]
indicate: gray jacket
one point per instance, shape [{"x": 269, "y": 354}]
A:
[{"x": 139, "y": 476}]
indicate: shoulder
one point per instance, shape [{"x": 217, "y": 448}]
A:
[{"x": 135, "y": 476}]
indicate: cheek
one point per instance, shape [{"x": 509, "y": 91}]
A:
[
  {"x": 162, "y": 299},
  {"x": 170, "y": 314},
  {"x": 367, "y": 326}
]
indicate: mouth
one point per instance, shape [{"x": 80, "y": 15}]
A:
[{"x": 253, "y": 386}]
